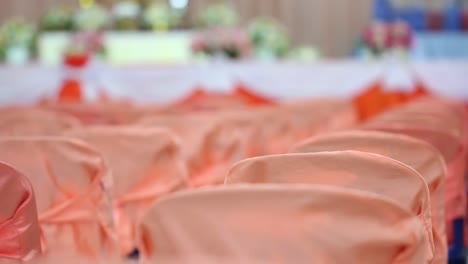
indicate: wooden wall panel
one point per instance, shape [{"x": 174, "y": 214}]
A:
[{"x": 331, "y": 25}]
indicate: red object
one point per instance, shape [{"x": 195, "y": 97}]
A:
[
  {"x": 70, "y": 91},
  {"x": 465, "y": 20},
  {"x": 77, "y": 60},
  {"x": 245, "y": 94},
  {"x": 435, "y": 20}
]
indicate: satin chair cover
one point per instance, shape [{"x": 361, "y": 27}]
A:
[
  {"x": 34, "y": 122},
  {"x": 415, "y": 153},
  {"x": 312, "y": 117},
  {"x": 146, "y": 165},
  {"x": 446, "y": 133},
  {"x": 351, "y": 169},
  {"x": 102, "y": 113},
  {"x": 19, "y": 227},
  {"x": 210, "y": 143},
  {"x": 69, "y": 178},
  {"x": 282, "y": 224}
]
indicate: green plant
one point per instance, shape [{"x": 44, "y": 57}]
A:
[
  {"x": 218, "y": 14},
  {"x": 57, "y": 18},
  {"x": 268, "y": 37},
  {"x": 16, "y": 32},
  {"x": 92, "y": 18},
  {"x": 160, "y": 16}
]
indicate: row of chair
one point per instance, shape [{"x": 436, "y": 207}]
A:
[
  {"x": 265, "y": 213},
  {"x": 94, "y": 181}
]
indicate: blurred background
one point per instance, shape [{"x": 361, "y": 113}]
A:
[{"x": 209, "y": 40}]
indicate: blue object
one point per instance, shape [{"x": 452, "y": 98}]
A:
[
  {"x": 414, "y": 16},
  {"x": 452, "y": 18},
  {"x": 456, "y": 249},
  {"x": 383, "y": 11}
]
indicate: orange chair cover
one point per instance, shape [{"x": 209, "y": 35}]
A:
[
  {"x": 210, "y": 144},
  {"x": 351, "y": 169},
  {"x": 145, "y": 165},
  {"x": 68, "y": 177},
  {"x": 19, "y": 228},
  {"x": 34, "y": 122},
  {"x": 443, "y": 130},
  {"x": 415, "y": 153},
  {"x": 282, "y": 224}
]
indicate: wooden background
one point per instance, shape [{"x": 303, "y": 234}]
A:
[{"x": 333, "y": 26}]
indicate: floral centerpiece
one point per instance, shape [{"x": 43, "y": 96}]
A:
[
  {"x": 269, "y": 38},
  {"x": 57, "y": 18},
  {"x": 126, "y": 15},
  {"x": 159, "y": 16},
  {"x": 232, "y": 43},
  {"x": 16, "y": 41},
  {"x": 93, "y": 18},
  {"x": 381, "y": 38},
  {"x": 303, "y": 54},
  {"x": 218, "y": 15}
]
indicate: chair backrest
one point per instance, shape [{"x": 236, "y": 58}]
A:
[
  {"x": 101, "y": 113},
  {"x": 70, "y": 179},
  {"x": 317, "y": 116},
  {"x": 146, "y": 164},
  {"x": 35, "y": 122},
  {"x": 443, "y": 128},
  {"x": 19, "y": 228},
  {"x": 351, "y": 169},
  {"x": 282, "y": 224},
  {"x": 415, "y": 153},
  {"x": 210, "y": 144}
]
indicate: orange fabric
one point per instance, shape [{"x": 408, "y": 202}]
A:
[
  {"x": 376, "y": 100},
  {"x": 113, "y": 113},
  {"x": 34, "y": 122},
  {"x": 19, "y": 228},
  {"x": 282, "y": 224},
  {"x": 436, "y": 122},
  {"x": 210, "y": 144},
  {"x": 415, "y": 153},
  {"x": 68, "y": 176},
  {"x": 351, "y": 169},
  {"x": 146, "y": 165}
]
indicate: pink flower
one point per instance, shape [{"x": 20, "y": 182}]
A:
[
  {"x": 377, "y": 36},
  {"x": 402, "y": 35}
]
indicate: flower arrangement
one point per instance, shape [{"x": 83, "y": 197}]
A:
[
  {"x": 17, "y": 35},
  {"x": 93, "y": 18},
  {"x": 233, "y": 43},
  {"x": 83, "y": 45},
  {"x": 126, "y": 15},
  {"x": 218, "y": 15},
  {"x": 269, "y": 38},
  {"x": 57, "y": 18},
  {"x": 303, "y": 54},
  {"x": 380, "y": 38},
  {"x": 159, "y": 16}
]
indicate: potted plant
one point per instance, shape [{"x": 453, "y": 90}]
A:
[
  {"x": 269, "y": 38},
  {"x": 16, "y": 41},
  {"x": 218, "y": 15}
]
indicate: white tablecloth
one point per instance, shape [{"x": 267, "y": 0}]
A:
[{"x": 280, "y": 80}]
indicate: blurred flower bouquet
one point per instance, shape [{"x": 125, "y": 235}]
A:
[
  {"x": 82, "y": 47},
  {"x": 159, "y": 16},
  {"x": 218, "y": 15},
  {"x": 381, "y": 38},
  {"x": 126, "y": 15},
  {"x": 57, "y": 18},
  {"x": 269, "y": 38},
  {"x": 93, "y": 18},
  {"x": 232, "y": 43},
  {"x": 16, "y": 41}
]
